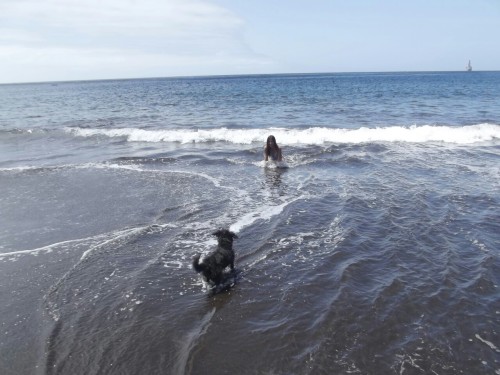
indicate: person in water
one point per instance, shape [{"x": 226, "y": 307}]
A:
[{"x": 272, "y": 151}]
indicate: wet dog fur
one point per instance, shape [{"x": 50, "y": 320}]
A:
[{"x": 213, "y": 265}]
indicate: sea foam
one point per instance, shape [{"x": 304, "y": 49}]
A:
[
  {"x": 263, "y": 213},
  {"x": 310, "y": 136}
]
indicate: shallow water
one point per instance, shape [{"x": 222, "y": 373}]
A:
[{"x": 375, "y": 251}]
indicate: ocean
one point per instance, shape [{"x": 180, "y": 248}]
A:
[{"x": 374, "y": 249}]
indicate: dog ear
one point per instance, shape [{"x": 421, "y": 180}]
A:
[{"x": 221, "y": 231}]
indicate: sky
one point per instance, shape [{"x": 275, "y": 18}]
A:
[{"x": 59, "y": 40}]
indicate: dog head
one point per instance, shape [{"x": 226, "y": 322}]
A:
[{"x": 225, "y": 236}]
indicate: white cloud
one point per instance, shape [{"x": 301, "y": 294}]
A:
[
  {"x": 129, "y": 17},
  {"x": 74, "y": 39},
  {"x": 10, "y": 35}
]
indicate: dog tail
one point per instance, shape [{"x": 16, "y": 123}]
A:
[{"x": 196, "y": 264}]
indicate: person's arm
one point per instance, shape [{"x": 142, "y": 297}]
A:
[
  {"x": 266, "y": 154},
  {"x": 280, "y": 156}
]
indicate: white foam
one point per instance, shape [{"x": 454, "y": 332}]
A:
[
  {"x": 73, "y": 166},
  {"x": 490, "y": 344},
  {"x": 136, "y": 168},
  {"x": 239, "y": 136},
  {"x": 123, "y": 234},
  {"x": 19, "y": 169},
  {"x": 311, "y": 136},
  {"x": 188, "y": 343},
  {"x": 94, "y": 242},
  {"x": 271, "y": 164},
  {"x": 70, "y": 244},
  {"x": 46, "y": 249},
  {"x": 173, "y": 264},
  {"x": 263, "y": 213}
]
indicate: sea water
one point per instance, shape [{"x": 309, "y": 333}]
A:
[{"x": 376, "y": 251}]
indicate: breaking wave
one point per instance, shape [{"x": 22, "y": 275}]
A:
[{"x": 310, "y": 136}]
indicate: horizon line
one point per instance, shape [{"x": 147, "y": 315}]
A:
[{"x": 239, "y": 75}]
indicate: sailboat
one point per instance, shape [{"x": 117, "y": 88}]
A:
[{"x": 468, "y": 67}]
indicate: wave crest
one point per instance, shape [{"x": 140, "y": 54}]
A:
[{"x": 311, "y": 136}]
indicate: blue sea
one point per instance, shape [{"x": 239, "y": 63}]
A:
[{"x": 373, "y": 249}]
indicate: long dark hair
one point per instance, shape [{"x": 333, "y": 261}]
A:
[
  {"x": 274, "y": 151},
  {"x": 268, "y": 142}
]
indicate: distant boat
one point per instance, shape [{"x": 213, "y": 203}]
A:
[{"x": 468, "y": 67}]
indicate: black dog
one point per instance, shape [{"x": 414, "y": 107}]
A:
[{"x": 214, "y": 264}]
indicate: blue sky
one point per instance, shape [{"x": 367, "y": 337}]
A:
[{"x": 51, "y": 40}]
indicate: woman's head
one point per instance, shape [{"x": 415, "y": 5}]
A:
[{"x": 271, "y": 141}]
